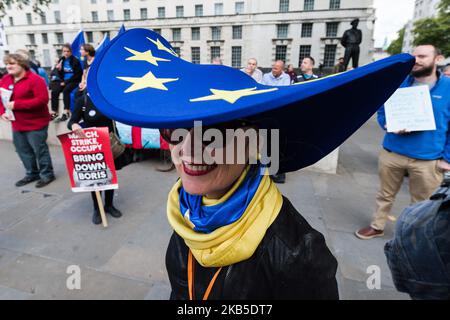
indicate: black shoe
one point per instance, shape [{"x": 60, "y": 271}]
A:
[
  {"x": 25, "y": 181},
  {"x": 64, "y": 117},
  {"x": 43, "y": 182},
  {"x": 96, "y": 218},
  {"x": 279, "y": 178},
  {"x": 113, "y": 211}
]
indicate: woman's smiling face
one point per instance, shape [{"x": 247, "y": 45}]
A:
[{"x": 198, "y": 178}]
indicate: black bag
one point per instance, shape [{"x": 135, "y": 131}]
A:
[
  {"x": 117, "y": 147},
  {"x": 419, "y": 254}
]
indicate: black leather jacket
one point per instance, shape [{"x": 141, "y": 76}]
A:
[{"x": 291, "y": 262}]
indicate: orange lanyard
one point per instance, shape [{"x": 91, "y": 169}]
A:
[{"x": 191, "y": 279}]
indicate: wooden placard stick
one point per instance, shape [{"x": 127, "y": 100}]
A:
[{"x": 101, "y": 208}]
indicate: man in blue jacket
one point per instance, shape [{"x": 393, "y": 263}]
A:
[{"x": 422, "y": 155}]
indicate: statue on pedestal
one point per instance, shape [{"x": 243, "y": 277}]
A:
[{"x": 351, "y": 40}]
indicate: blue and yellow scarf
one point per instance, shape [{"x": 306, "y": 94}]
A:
[{"x": 228, "y": 230}]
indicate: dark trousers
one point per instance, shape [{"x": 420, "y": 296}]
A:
[
  {"x": 109, "y": 195},
  {"x": 352, "y": 52},
  {"x": 66, "y": 90},
  {"x": 32, "y": 148}
]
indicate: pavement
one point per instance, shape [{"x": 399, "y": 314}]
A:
[{"x": 43, "y": 232}]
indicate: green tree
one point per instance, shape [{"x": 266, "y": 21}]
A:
[
  {"x": 36, "y": 4},
  {"x": 436, "y": 30},
  {"x": 396, "y": 46}
]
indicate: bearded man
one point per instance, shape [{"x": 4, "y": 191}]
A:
[{"x": 422, "y": 155}]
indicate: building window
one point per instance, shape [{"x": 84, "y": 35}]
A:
[
  {"x": 144, "y": 14},
  {"x": 215, "y": 53},
  {"x": 11, "y": 21},
  {"x": 284, "y": 6},
  {"x": 109, "y": 1},
  {"x": 198, "y": 10},
  {"x": 126, "y": 14},
  {"x": 57, "y": 16},
  {"x": 309, "y": 5},
  {"x": 195, "y": 55},
  {"x": 195, "y": 32},
  {"x": 332, "y": 29},
  {"x": 237, "y": 32},
  {"x": 58, "y": 52},
  {"x": 94, "y": 15},
  {"x": 239, "y": 7},
  {"x": 335, "y": 4},
  {"x": 29, "y": 19},
  {"x": 32, "y": 54},
  {"x": 215, "y": 33},
  {"x": 282, "y": 31},
  {"x": 307, "y": 30},
  {"x": 93, "y": 1},
  {"x": 177, "y": 50},
  {"x": 59, "y": 37},
  {"x": 43, "y": 18},
  {"x": 329, "y": 57},
  {"x": 176, "y": 34},
  {"x": 31, "y": 38},
  {"x": 280, "y": 53},
  {"x": 218, "y": 9},
  {"x": 180, "y": 11},
  {"x": 236, "y": 57},
  {"x": 45, "y": 38},
  {"x": 305, "y": 51},
  {"x": 161, "y": 12},
  {"x": 90, "y": 36},
  {"x": 110, "y": 15}
]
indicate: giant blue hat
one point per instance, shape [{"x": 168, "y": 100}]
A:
[{"x": 140, "y": 80}]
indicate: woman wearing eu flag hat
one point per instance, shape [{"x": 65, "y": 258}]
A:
[{"x": 235, "y": 235}]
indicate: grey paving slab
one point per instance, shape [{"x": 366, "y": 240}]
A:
[
  {"x": 13, "y": 294},
  {"x": 356, "y": 264},
  {"x": 356, "y": 290},
  {"x": 46, "y": 279}
]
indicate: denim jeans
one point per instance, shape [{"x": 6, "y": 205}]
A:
[{"x": 32, "y": 148}]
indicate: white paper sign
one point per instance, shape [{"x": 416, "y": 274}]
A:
[
  {"x": 410, "y": 109},
  {"x": 6, "y": 97}
]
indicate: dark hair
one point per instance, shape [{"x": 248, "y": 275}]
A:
[
  {"x": 68, "y": 46},
  {"x": 89, "y": 48},
  {"x": 437, "y": 51},
  {"x": 310, "y": 58}
]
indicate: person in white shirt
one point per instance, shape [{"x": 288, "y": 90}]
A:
[{"x": 252, "y": 70}]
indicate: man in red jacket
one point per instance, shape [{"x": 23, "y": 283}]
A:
[{"x": 29, "y": 106}]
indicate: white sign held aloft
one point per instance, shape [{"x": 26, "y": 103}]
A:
[{"x": 410, "y": 109}]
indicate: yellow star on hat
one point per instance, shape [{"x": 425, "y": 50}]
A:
[
  {"x": 144, "y": 56},
  {"x": 231, "y": 96},
  {"x": 147, "y": 81},
  {"x": 162, "y": 47}
]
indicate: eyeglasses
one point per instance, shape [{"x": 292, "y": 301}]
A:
[{"x": 169, "y": 137}]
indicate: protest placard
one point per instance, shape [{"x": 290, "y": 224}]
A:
[
  {"x": 89, "y": 160},
  {"x": 6, "y": 97},
  {"x": 410, "y": 109},
  {"x": 90, "y": 163}
]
